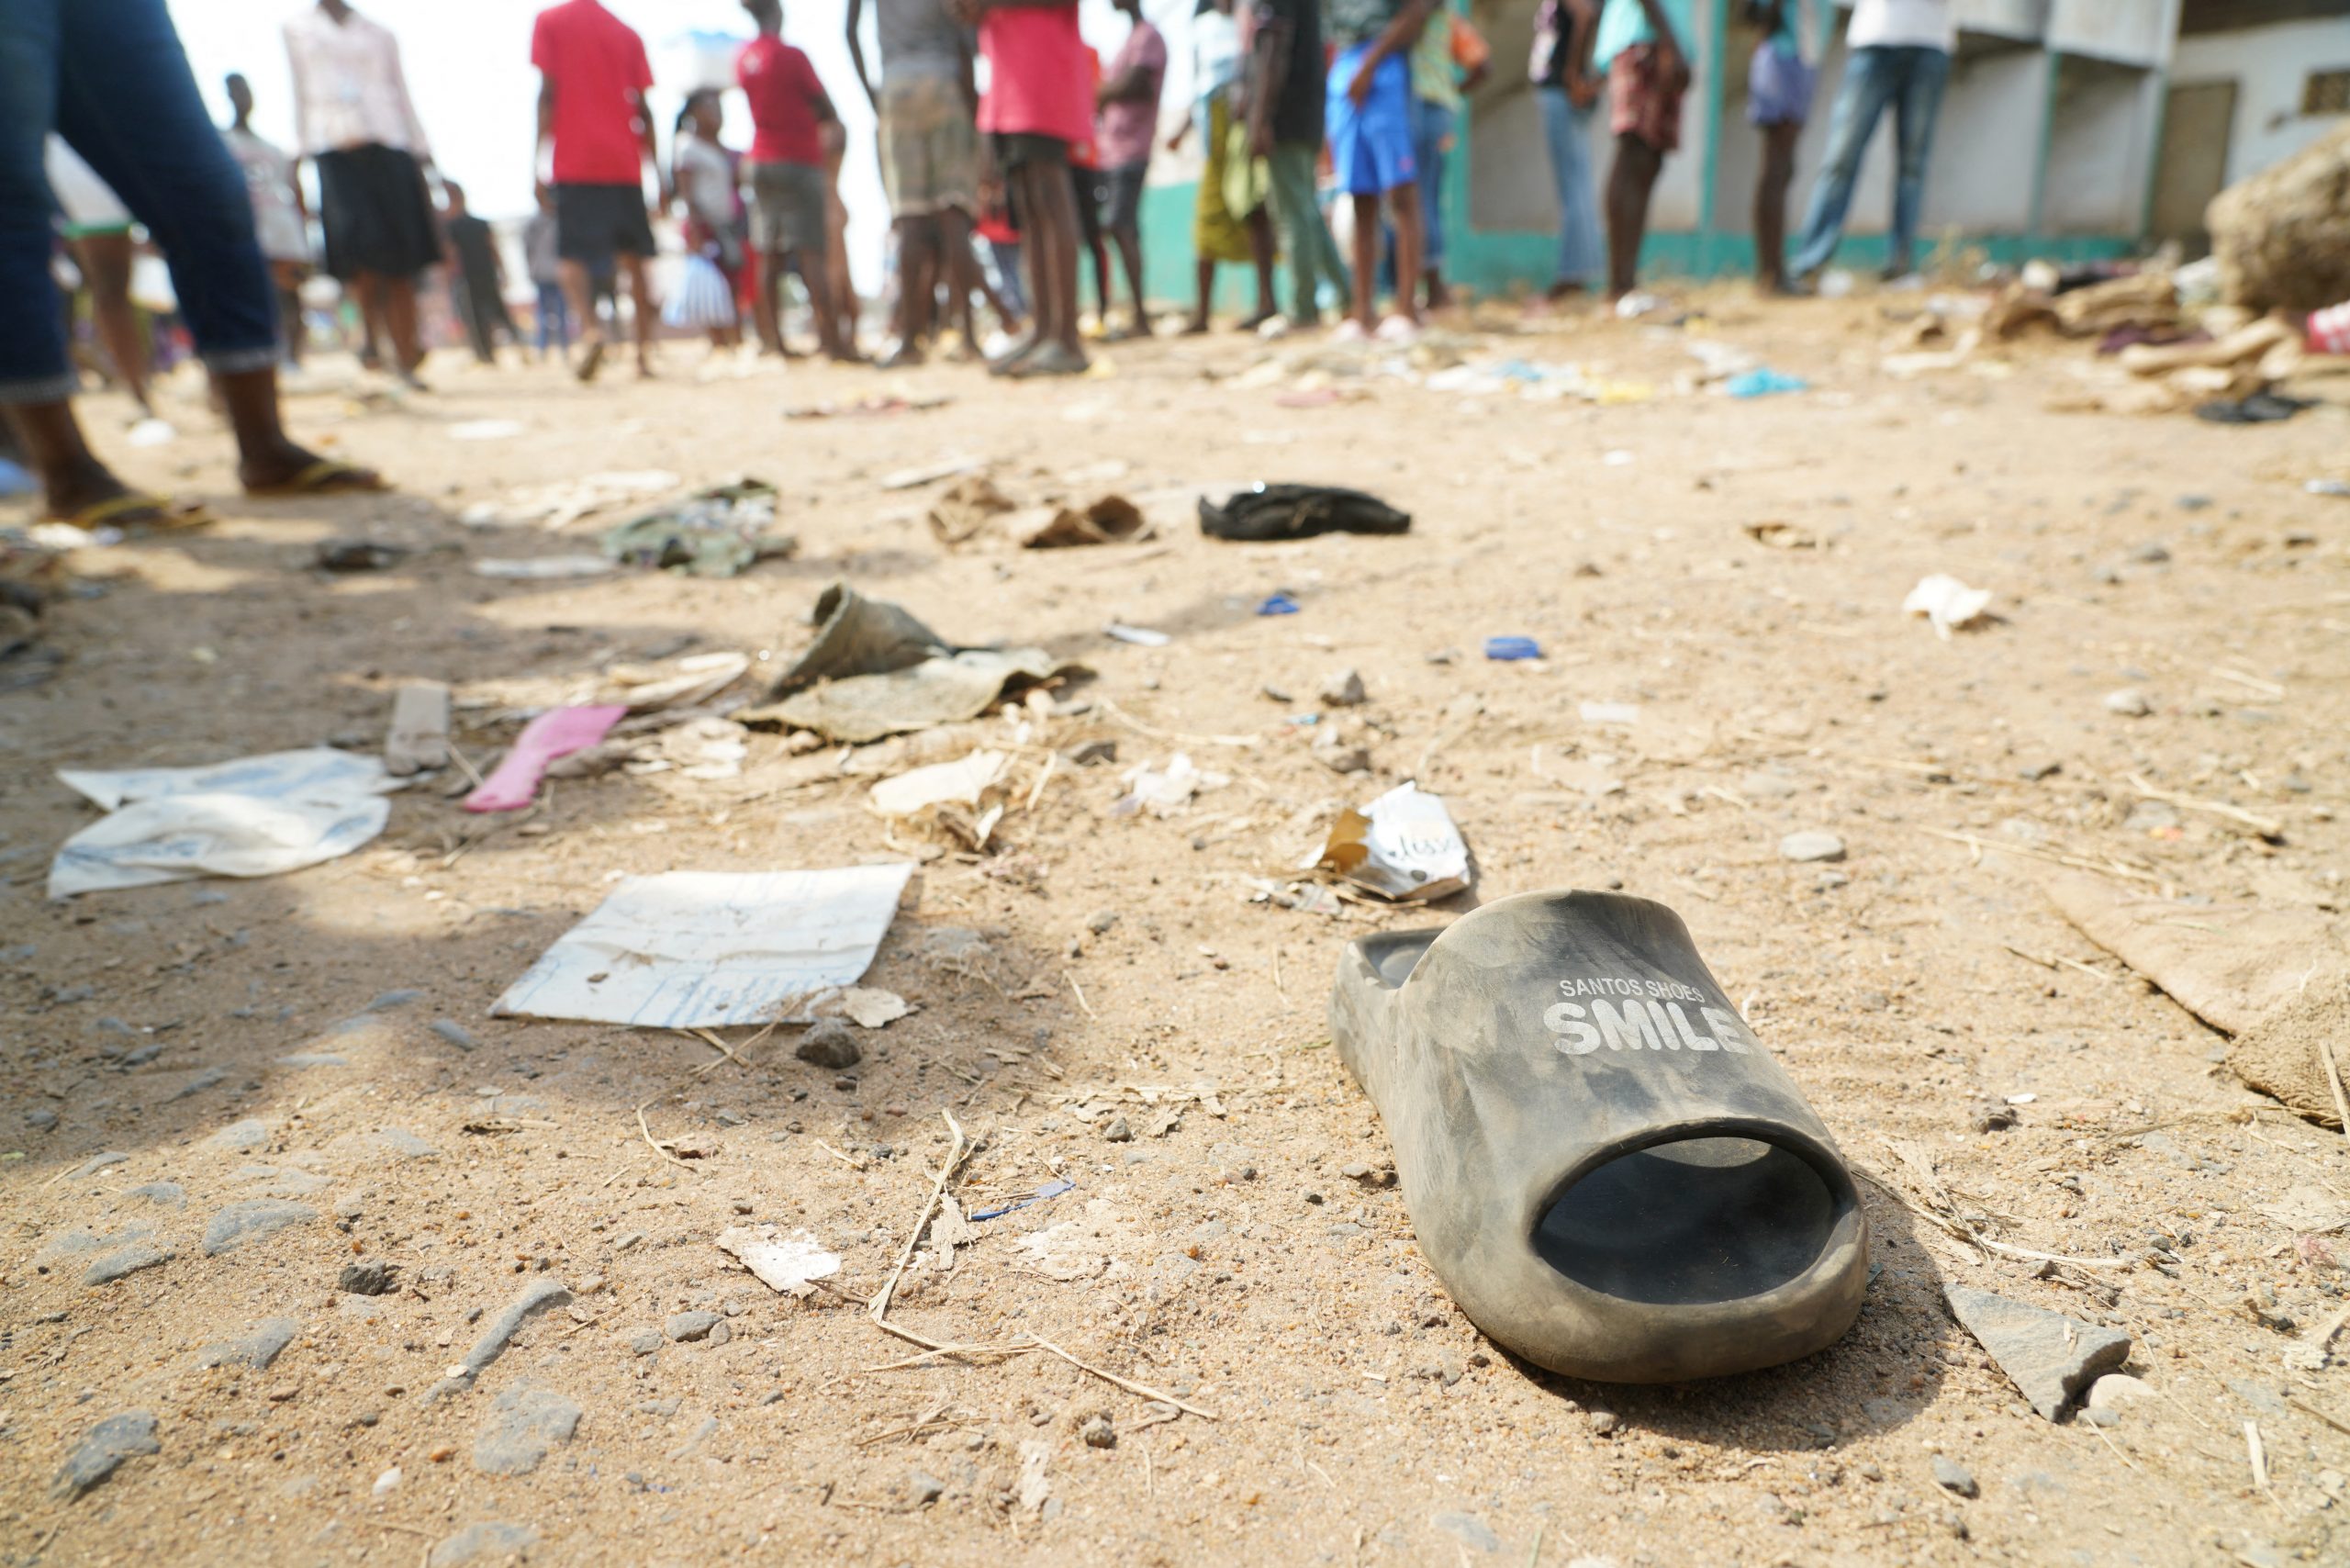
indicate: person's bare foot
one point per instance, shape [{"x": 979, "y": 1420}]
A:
[
  {"x": 904, "y": 356},
  {"x": 591, "y": 360},
  {"x": 1249, "y": 324},
  {"x": 1050, "y": 359},
  {"x": 1197, "y": 326}
]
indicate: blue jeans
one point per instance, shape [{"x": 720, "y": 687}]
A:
[
  {"x": 110, "y": 77},
  {"x": 1431, "y": 128},
  {"x": 554, "y": 317},
  {"x": 1910, "y": 81},
  {"x": 1568, "y": 131}
]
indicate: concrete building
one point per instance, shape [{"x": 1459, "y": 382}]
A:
[{"x": 2070, "y": 129}]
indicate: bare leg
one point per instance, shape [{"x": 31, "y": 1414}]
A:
[
  {"x": 1629, "y": 181},
  {"x": 578, "y": 290},
  {"x": 920, "y": 262},
  {"x": 1260, "y": 256},
  {"x": 1771, "y": 206},
  {"x": 288, "y": 276},
  {"x": 768, "y": 306},
  {"x": 1049, "y": 198},
  {"x": 962, "y": 271},
  {"x": 813, "y": 276},
  {"x": 1366, "y": 248},
  {"x": 399, "y": 323},
  {"x": 1403, "y": 205},
  {"x": 1205, "y": 274},
  {"x": 105, "y": 260},
  {"x": 1129, "y": 244},
  {"x": 640, "y": 292}
]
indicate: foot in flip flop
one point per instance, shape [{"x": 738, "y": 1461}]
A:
[
  {"x": 1051, "y": 359},
  {"x": 295, "y": 471},
  {"x": 1603, "y": 1167},
  {"x": 136, "y": 511}
]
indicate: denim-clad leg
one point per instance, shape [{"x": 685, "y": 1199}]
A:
[
  {"x": 1430, "y": 133},
  {"x": 1917, "y": 104},
  {"x": 1568, "y": 131},
  {"x": 1870, "y": 78},
  {"x": 128, "y": 103},
  {"x": 34, "y": 364}
]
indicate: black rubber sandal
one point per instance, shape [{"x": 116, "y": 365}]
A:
[{"x": 1603, "y": 1167}]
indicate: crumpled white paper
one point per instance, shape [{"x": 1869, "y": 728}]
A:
[
  {"x": 782, "y": 1263},
  {"x": 1947, "y": 602},
  {"x": 254, "y": 817}
]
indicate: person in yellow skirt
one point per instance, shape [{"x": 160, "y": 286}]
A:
[{"x": 1230, "y": 222}]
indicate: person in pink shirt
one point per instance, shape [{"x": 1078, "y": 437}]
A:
[
  {"x": 593, "y": 77},
  {"x": 1128, "y": 124},
  {"x": 1039, "y": 101}
]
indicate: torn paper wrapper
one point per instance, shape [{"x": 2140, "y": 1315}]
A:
[
  {"x": 254, "y": 817},
  {"x": 711, "y": 949},
  {"x": 783, "y": 1263},
  {"x": 1403, "y": 846}
]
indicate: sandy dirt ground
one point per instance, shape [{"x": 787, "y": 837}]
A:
[{"x": 223, "y": 1042}]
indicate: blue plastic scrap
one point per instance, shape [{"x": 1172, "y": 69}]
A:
[
  {"x": 1507, "y": 648},
  {"x": 1053, "y": 1189},
  {"x": 1763, "y": 382},
  {"x": 1278, "y": 604}
]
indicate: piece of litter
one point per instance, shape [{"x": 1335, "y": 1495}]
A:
[
  {"x": 788, "y": 1264},
  {"x": 869, "y": 1007},
  {"x": 542, "y": 568},
  {"x": 1164, "y": 791},
  {"x": 1616, "y": 457},
  {"x": 1947, "y": 602},
  {"x": 1509, "y": 649},
  {"x": 515, "y": 782},
  {"x": 965, "y": 783},
  {"x": 714, "y": 532},
  {"x": 711, "y": 949},
  {"x": 1763, "y": 382},
  {"x": 1050, "y": 1190},
  {"x": 1403, "y": 846},
  {"x": 2338, "y": 488},
  {"x": 1609, "y": 712},
  {"x": 1140, "y": 636},
  {"x": 484, "y": 430},
  {"x": 417, "y": 738},
  {"x": 930, "y": 473},
  {"x": 1278, "y": 604},
  {"x": 254, "y": 817}
]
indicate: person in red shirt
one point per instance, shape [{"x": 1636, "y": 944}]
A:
[
  {"x": 592, "y": 79},
  {"x": 1039, "y": 102},
  {"x": 791, "y": 191}
]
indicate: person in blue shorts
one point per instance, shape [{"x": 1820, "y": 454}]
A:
[{"x": 1370, "y": 125}]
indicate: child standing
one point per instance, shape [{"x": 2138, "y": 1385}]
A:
[
  {"x": 790, "y": 192},
  {"x": 1371, "y": 149}
]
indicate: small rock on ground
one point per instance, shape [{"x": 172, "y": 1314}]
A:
[
  {"x": 102, "y": 1451},
  {"x": 1955, "y": 1477},
  {"x": 828, "y": 1044},
  {"x": 541, "y": 1295},
  {"x": 1470, "y": 1530},
  {"x": 256, "y": 1349},
  {"x": 250, "y": 1221},
  {"x": 369, "y": 1276},
  {"x": 240, "y": 1137},
  {"x": 1811, "y": 845},
  {"x": 2047, "y": 1355},
  {"x": 1344, "y": 689},
  {"x": 684, "y": 1326},
  {"x": 523, "y": 1424},
  {"x": 126, "y": 1261},
  {"x": 491, "y": 1541},
  {"x": 2130, "y": 702}
]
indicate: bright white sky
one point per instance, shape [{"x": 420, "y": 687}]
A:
[{"x": 469, "y": 69}]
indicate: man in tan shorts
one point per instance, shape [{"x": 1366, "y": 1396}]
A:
[{"x": 927, "y": 105}]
